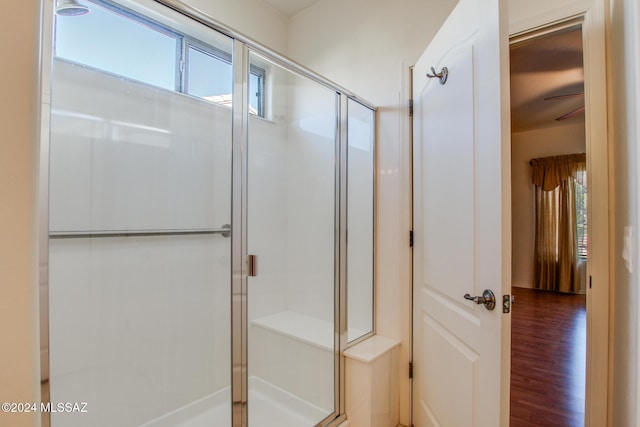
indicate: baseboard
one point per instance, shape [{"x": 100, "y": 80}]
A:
[
  {"x": 522, "y": 285},
  {"x": 347, "y": 424}
]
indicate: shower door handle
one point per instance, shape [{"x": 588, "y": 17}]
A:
[{"x": 252, "y": 265}]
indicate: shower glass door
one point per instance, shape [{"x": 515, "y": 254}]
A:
[
  {"x": 291, "y": 229},
  {"x": 139, "y": 219}
]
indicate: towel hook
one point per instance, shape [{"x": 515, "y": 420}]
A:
[{"x": 442, "y": 75}]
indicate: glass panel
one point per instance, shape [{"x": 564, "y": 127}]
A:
[
  {"x": 291, "y": 229},
  {"x": 140, "y": 185},
  {"x": 118, "y": 44},
  {"x": 209, "y": 76},
  {"x": 360, "y": 220}
]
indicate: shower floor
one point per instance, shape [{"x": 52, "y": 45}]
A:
[{"x": 269, "y": 406}]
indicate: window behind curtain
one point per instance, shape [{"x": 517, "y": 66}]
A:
[{"x": 581, "y": 213}]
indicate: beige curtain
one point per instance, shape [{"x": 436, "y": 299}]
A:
[{"x": 556, "y": 242}]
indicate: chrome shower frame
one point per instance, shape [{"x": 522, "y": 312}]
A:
[{"x": 242, "y": 46}]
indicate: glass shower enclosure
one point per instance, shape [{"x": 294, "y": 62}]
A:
[{"x": 199, "y": 194}]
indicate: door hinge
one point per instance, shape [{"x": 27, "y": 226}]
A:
[
  {"x": 506, "y": 304},
  {"x": 411, "y": 108},
  {"x": 411, "y": 238},
  {"x": 410, "y": 370}
]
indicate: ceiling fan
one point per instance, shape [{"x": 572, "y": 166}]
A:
[{"x": 570, "y": 113}]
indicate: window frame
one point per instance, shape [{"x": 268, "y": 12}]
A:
[
  {"x": 261, "y": 74},
  {"x": 185, "y": 63},
  {"x": 183, "y": 42},
  {"x": 582, "y": 226}
]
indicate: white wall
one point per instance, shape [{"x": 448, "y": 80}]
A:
[
  {"x": 367, "y": 46},
  {"x": 256, "y": 19},
  {"x": 552, "y": 141}
]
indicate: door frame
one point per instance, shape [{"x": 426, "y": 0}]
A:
[
  {"x": 592, "y": 17},
  {"x": 634, "y": 14}
]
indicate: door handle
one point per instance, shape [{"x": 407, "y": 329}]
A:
[
  {"x": 252, "y": 265},
  {"x": 487, "y": 298}
]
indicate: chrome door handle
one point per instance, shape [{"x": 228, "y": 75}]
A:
[{"x": 487, "y": 298}]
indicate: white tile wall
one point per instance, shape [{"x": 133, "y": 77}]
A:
[
  {"x": 139, "y": 326},
  {"x": 311, "y": 163},
  {"x": 127, "y": 156}
]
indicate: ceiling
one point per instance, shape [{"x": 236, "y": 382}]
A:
[
  {"x": 291, "y": 7},
  {"x": 543, "y": 67}
]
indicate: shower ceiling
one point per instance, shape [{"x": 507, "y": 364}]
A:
[{"x": 543, "y": 71}]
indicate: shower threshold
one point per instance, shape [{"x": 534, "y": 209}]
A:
[{"x": 269, "y": 406}]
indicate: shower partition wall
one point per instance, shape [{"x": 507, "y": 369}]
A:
[{"x": 198, "y": 197}]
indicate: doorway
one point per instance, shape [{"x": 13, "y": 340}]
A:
[{"x": 549, "y": 313}]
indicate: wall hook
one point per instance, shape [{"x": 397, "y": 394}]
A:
[{"x": 442, "y": 75}]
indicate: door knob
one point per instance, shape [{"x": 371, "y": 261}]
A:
[{"x": 487, "y": 298}]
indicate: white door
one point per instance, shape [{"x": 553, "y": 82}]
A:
[{"x": 462, "y": 222}]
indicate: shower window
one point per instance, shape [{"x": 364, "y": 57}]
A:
[
  {"x": 256, "y": 90},
  {"x": 111, "y": 38},
  {"x": 203, "y": 64}
]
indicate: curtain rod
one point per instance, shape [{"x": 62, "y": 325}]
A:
[{"x": 561, "y": 155}]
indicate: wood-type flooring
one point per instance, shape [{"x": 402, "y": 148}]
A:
[{"x": 548, "y": 351}]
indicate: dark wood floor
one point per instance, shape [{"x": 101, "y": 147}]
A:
[{"x": 548, "y": 350}]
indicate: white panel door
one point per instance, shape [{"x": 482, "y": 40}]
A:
[{"x": 462, "y": 222}]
